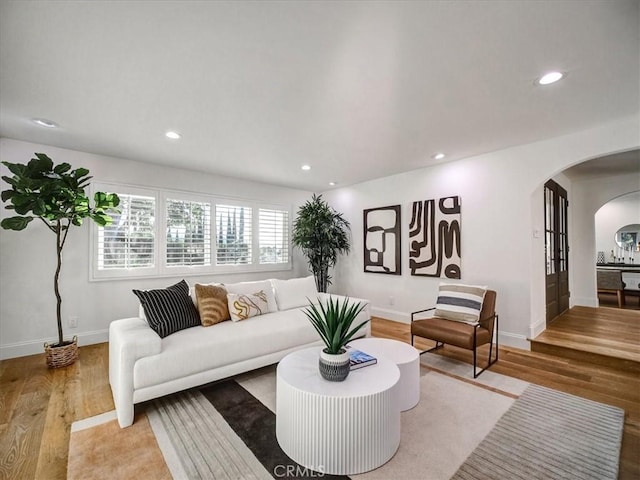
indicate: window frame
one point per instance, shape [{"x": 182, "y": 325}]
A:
[
  {"x": 172, "y": 271},
  {"x": 109, "y": 274},
  {"x": 161, "y": 269}
]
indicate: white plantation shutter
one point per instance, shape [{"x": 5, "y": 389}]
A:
[
  {"x": 233, "y": 235},
  {"x": 274, "y": 236},
  {"x": 188, "y": 233},
  {"x": 162, "y": 233},
  {"x": 129, "y": 242}
]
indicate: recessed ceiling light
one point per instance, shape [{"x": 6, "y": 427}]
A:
[
  {"x": 43, "y": 122},
  {"x": 173, "y": 135},
  {"x": 306, "y": 167},
  {"x": 439, "y": 156},
  {"x": 332, "y": 184},
  {"x": 549, "y": 78}
]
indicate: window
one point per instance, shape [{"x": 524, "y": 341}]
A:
[
  {"x": 129, "y": 242},
  {"x": 188, "y": 229},
  {"x": 274, "y": 236},
  {"x": 233, "y": 235},
  {"x": 169, "y": 233}
]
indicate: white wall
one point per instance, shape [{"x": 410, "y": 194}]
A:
[
  {"x": 27, "y": 258},
  {"x": 501, "y": 209},
  {"x": 612, "y": 216}
]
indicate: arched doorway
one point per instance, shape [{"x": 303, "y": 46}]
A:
[{"x": 617, "y": 233}]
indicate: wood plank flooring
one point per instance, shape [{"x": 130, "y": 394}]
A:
[
  {"x": 607, "y": 336},
  {"x": 38, "y": 405}
]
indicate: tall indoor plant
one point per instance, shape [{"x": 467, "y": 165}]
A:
[
  {"x": 322, "y": 234},
  {"x": 55, "y": 195}
]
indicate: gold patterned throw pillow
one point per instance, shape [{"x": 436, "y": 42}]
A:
[
  {"x": 244, "y": 305},
  {"x": 212, "y": 304}
]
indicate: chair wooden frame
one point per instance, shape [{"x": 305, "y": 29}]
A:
[{"x": 439, "y": 343}]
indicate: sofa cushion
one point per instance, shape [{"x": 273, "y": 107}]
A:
[
  {"x": 198, "y": 349},
  {"x": 295, "y": 292},
  {"x": 461, "y": 303},
  {"x": 170, "y": 309},
  {"x": 252, "y": 288},
  {"x": 212, "y": 304},
  {"x": 247, "y": 305}
]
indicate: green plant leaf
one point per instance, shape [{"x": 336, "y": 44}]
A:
[
  {"x": 62, "y": 168},
  {"x": 15, "y": 168},
  {"x": 80, "y": 172},
  {"x": 7, "y": 195},
  {"x": 16, "y": 223},
  {"x": 42, "y": 163}
]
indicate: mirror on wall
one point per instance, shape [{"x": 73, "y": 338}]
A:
[{"x": 627, "y": 237}]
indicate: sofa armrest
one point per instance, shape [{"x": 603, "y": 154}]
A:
[
  {"x": 364, "y": 315},
  {"x": 129, "y": 340}
]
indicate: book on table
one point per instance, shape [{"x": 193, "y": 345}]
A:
[{"x": 359, "y": 359}]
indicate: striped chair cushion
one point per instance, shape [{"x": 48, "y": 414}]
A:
[
  {"x": 461, "y": 303},
  {"x": 170, "y": 309}
]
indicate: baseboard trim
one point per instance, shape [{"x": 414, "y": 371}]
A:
[
  {"x": 34, "y": 347},
  {"x": 394, "y": 315},
  {"x": 537, "y": 328},
  {"x": 585, "y": 302},
  {"x": 514, "y": 340}
]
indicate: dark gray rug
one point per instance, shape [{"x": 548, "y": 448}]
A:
[{"x": 548, "y": 434}]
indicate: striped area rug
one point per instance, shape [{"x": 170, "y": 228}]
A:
[
  {"x": 199, "y": 442},
  {"x": 548, "y": 434},
  {"x": 222, "y": 431}
]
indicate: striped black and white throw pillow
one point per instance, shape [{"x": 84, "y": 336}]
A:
[
  {"x": 461, "y": 303},
  {"x": 169, "y": 309}
]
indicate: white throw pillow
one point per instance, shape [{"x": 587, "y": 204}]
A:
[
  {"x": 247, "y": 305},
  {"x": 295, "y": 292},
  {"x": 252, "y": 288}
]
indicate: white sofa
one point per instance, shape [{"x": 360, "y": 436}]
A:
[{"x": 143, "y": 366}]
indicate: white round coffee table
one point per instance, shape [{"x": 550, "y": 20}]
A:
[
  {"x": 338, "y": 428},
  {"x": 405, "y": 356}
]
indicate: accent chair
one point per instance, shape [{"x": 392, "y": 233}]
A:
[{"x": 469, "y": 335}]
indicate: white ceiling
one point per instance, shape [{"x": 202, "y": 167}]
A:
[
  {"x": 358, "y": 90},
  {"x": 624, "y": 163}
]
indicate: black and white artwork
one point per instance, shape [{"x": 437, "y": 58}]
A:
[
  {"x": 382, "y": 240},
  {"x": 434, "y": 238}
]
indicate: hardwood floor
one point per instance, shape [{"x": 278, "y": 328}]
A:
[{"x": 38, "y": 405}]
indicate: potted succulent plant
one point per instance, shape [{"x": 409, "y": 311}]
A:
[
  {"x": 54, "y": 194},
  {"x": 333, "y": 322}
]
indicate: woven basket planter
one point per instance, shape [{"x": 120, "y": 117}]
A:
[{"x": 63, "y": 355}]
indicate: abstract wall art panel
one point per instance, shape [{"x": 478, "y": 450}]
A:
[
  {"x": 434, "y": 238},
  {"x": 382, "y": 240}
]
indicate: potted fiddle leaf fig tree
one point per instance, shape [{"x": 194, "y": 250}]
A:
[
  {"x": 55, "y": 195},
  {"x": 322, "y": 234},
  {"x": 333, "y": 323}
]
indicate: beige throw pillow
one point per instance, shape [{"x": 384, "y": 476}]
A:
[
  {"x": 212, "y": 304},
  {"x": 246, "y": 305}
]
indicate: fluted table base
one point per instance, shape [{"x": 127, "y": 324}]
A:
[{"x": 338, "y": 428}]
